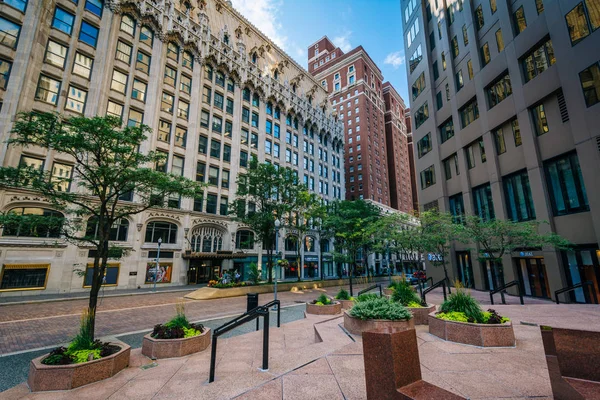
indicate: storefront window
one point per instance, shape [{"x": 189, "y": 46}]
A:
[
  {"x": 582, "y": 266},
  {"x": 111, "y": 275},
  {"x": 309, "y": 244},
  {"x": 534, "y": 277},
  {"x": 24, "y": 277}
]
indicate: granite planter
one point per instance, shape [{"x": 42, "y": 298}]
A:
[
  {"x": 482, "y": 335},
  {"x": 329, "y": 309},
  {"x": 421, "y": 314},
  {"x": 357, "y": 326},
  {"x": 347, "y": 304},
  {"x": 64, "y": 377},
  {"x": 171, "y": 348},
  {"x": 388, "y": 291}
]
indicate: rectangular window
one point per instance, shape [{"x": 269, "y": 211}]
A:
[
  {"x": 5, "y": 68},
  {"x": 540, "y": 122},
  {"x": 63, "y": 21},
  {"x": 268, "y": 146},
  {"x": 200, "y": 172},
  {"x": 56, "y": 54},
  {"x": 220, "y": 79},
  {"x": 519, "y": 20},
  {"x": 202, "y": 144},
  {"x": 268, "y": 127},
  {"x": 226, "y": 153},
  {"x": 432, "y": 40},
  {"x": 275, "y": 150},
  {"x": 455, "y": 49},
  {"x": 123, "y": 52},
  {"x": 444, "y": 61},
  {"x": 447, "y": 168},
  {"x": 180, "y": 136},
  {"x": 590, "y": 84},
  {"x": 516, "y": 132},
  {"x": 143, "y": 62},
  {"x": 424, "y": 145},
  {"x": 89, "y": 34},
  {"x": 185, "y": 84},
  {"x": 436, "y": 72},
  {"x": 164, "y": 131},
  {"x": 539, "y": 5},
  {"x": 206, "y": 94},
  {"x": 482, "y": 150},
  {"x": 244, "y": 136},
  {"x": 459, "y": 80},
  {"x": 427, "y": 177},
  {"x": 135, "y": 118},
  {"x": 566, "y": 185},
  {"x": 76, "y": 100},
  {"x": 187, "y": 60},
  {"x": 204, "y": 118},
  {"x": 469, "y": 113},
  {"x": 146, "y": 36},
  {"x": 24, "y": 277},
  {"x": 167, "y": 103},
  {"x": 173, "y": 51},
  {"x": 457, "y": 208},
  {"x": 479, "y": 21},
  {"x": 94, "y": 6},
  {"x": 48, "y": 90},
  {"x": 213, "y": 176},
  {"x": 499, "y": 40},
  {"x": 170, "y": 76},
  {"x": 127, "y": 25},
  {"x": 224, "y": 206},
  {"x": 470, "y": 69},
  {"x": 245, "y": 115},
  {"x": 517, "y": 193},
  {"x": 229, "y": 106},
  {"x": 485, "y": 54},
  {"x": 139, "y": 90},
  {"x": 465, "y": 35},
  {"x": 418, "y": 86},
  {"x": 483, "y": 203},
  {"x": 217, "y": 125},
  {"x": 493, "y": 6},
  {"x": 177, "y": 166},
  {"x": 198, "y": 202},
  {"x": 447, "y": 130},
  {"x": 499, "y": 140},
  {"x": 470, "y": 154},
  {"x": 114, "y": 109},
  {"x": 421, "y": 115},
  {"x": 211, "y": 203},
  {"x": 538, "y": 60},
  {"x": 119, "y": 82},
  {"x": 228, "y": 129},
  {"x": 254, "y": 120},
  {"x": 215, "y": 148},
  {"x": 61, "y": 176},
  {"x": 439, "y": 101},
  {"x": 218, "y": 100},
  {"x": 415, "y": 58},
  {"x": 499, "y": 90},
  {"x": 276, "y": 131},
  {"x": 20, "y": 5},
  {"x": 243, "y": 159}
]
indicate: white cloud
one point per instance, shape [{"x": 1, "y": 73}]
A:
[
  {"x": 264, "y": 15},
  {"x": 343, "y": 41},
  {"x": 395, "y": 59}
]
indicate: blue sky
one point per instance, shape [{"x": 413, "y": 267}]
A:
[{"x": 374, "y": 24}]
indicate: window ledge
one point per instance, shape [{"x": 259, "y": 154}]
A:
[{"x": 32, "y": 242}]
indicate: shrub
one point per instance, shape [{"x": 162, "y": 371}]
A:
[
  {"x": 179, "y": 320},
  {"x": 453, "y": 316},
  {"x": 366, "y": 297},
  {"x": 342, "y": 295},
  {"x": 323, "y": 300},
  {"x": 58, "y": 356},
  {"x": 492, "y": 317},
  {"x": 83, "y": 340},
  {"x": 461, "y": 301},
  {"x": 253, "y": 273},
  {"x": 81, "y": 356},
  {"x": 380, "y": 308},
  {"x": 414, "y": 304},
  {"x": 404, "y": 295},
  {"x": 178, "y": 327}
]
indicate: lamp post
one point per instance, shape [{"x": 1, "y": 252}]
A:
[
  {"x": 387, "y": 248},
  {"x": 277, "y": 226},
  {"x": 157, "y": 263}
]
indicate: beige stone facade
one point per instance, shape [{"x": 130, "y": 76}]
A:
[{"x": 214, "y": 90}]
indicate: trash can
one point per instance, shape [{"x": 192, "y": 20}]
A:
[{"x": 252, "y": 301}]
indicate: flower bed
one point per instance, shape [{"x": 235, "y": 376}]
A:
[
  {"x": 344, "y": 297},
  {"x": 323, "y": 305},
  {"x": 357, "y": 326},
  {"x": 169, "y": 348},
  {"x": 377, "y": 313},
  {"x": 44, "y": 377},
  {"x": 483, "y": 335}
]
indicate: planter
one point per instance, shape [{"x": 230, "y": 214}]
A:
[
  {"x": 388, "y": 291},
  {"x": 64, "y": 377},
  {"x": 421, "y": 314},
  {"x": 482, "y": 335},
  {"x": 358, "y": 326},
  {"x": 170, "y": 348},
  {"x": 330, "y": 309},
  {"x": 347, "y": 304}
]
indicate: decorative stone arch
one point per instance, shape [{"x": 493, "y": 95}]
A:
[
  {"x": 208, "y": 238},
  {"x": 244, "y": 229}
]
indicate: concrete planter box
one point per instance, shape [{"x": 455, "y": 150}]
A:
[
  {"x": 330, "y": 309},
  {"x": 358, "y": 326},
  {"x": 482, "y": 335},
  {"x": 64, "y": 377},
  {"x": 421, "y": 314},
  {"x": 171, "y": 348},
  {"x": 347, "y": 304},
  {"x": 388, "y": 291}
]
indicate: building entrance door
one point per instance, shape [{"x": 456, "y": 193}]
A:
[
  {"x": 494, "y": 274},
  {"x": 533, "y": 277},
  {"x": 465, "y": 268},
  {"x": 201, "y": 271},
  {"x": 583, "y": 265}
]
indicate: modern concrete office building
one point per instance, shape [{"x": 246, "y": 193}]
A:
[
  {"x": 214, "y": 90},
  {"x": 505, "y": 113}
]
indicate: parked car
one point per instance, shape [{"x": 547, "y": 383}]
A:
[
  {"x": 412, "y": 279},
  {"x": 420, "y": 274}
]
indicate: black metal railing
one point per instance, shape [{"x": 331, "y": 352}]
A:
[
  {"x": 269, "y": 305},
  {"x": 421, "y": 284},
  {"x": 502, "y": 290},
  {"x": 577, "y": 286},
  {"x": 371, "y": 288},
  {"x": 255, "y": 313},
  {"x": 436, "y": 285}
]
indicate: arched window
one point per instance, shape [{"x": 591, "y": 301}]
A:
[
  {"x": 254, "y": 58},
  {"x": 244, "y": 240},
  {"x": 161, "y": 230},
  {"x": 128, "y": 24},
  {"x": 276, "y": 74},
  {"x": 269, "y": 108},
  {"x": 255, "y": 100},
  {"x": 291, "y": 243},
  {"x": 118, "y": 231},
  {"x": 277, "y": 113},
  {"x": 309, "y": 244},
  {"x": 226, "y": 38},
  {"x": 34, "y": 222},
  {"x": 324, "y": 246},
  {"x": 294, "y": 87},
  {"x": 207, "y": 239}
]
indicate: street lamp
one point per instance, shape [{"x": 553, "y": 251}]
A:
[
  {"x": 157, "y": 263},
  {"x": 387, "y": 248},
  {"x": 277, "y": 226}
]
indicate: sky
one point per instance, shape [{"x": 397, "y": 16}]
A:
[{"x": 295, "y": 24}]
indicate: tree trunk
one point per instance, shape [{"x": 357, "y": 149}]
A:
[{"x": 100, "y": 262}]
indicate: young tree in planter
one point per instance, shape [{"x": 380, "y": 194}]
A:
[
  {"x": 108, "y": 166},
  {"x": 264, "y": 193},
  {"x": 438, "y": 230},
  {"x": 349, "y": 221}
]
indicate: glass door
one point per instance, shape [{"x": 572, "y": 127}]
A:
[
  {"x": 494, "y": 275},
  {"x": 583, "y": 266},
  {"x": 465, "y": 269},
  {"x": 533, "y": 277}
]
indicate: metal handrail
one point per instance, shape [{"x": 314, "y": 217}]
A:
[
  {"x": 269, "y": 305},
  {"x": 576, "y": 286},
  {"x": 502, "y": 290},
  {"x": 436, "y": 285},
  {"x": 421, "y": 284},
  {"x": 255, "y": 313},
  {"x": 371, "y": 288}
]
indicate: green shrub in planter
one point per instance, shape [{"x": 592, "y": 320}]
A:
[
  {"x": 322, "y": 300},
  {"x": 404, "y": 295},
  {"x": 380, "y": 308},
  {"x": 461, "y": 301},
  {"x": 366, "y": 297},
  {"x": 342, "y": 295}
]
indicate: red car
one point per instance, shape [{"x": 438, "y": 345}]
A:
[{"x": 419, "y": 274}]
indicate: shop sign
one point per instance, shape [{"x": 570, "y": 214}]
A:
[
  {"x": 311, "y": 258},
  {"x": 526, "y": 254},
  {"x": 435, "y": 257}
]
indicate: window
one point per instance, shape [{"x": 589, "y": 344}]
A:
[
  {"x": 457, "y": 208},
  {"x": 539, "y": 5},
  {"x": 217, "y": 125},
  {"x": 566, "y": 185},
  {"x": 499, "y": 140},
  {"x": 204, "y": 117},
  {"x": 20, "y": 5},
  {"x": 540, "y": 122},
  {"x": 516, "y": 132},
  {"x": 519, "y": 20},
  {"x": 268, "y": 127},
  {"x": 479, "y": 21},
  {"x": 499, "y": 40},
  {"x": 188, "y": 60},
  {"x": 213, "y": 176},
  {"x": 485, "y": 54},
  {"x": 5, "y": 68},
  {"x": 200, "y": 171},
  {"x": 218, "y": 100},
  {"x": 415, "y": 58},
  {"x": 211, "y": 203},
  {"x": 450, "y": 15},
  {"x": 143, "y": 62},
  {"x": 447, "y": 168},
  {"x": 470, "y": 154},
  {"x": 493, "y": 6},
  {"x": 482, "y": 150},
  {"x": 427, "y": 177},
  {"x": 439, "y": 101},
  {"x": 228, "y": 128},
  {"x": 465, "y": 35},
  {"x": 94, "y": 6},
  {"x": 538, "y": 60},
  {"x": 114, "y": 109},
  {"x": 482, "y": 200},
  {"x": 499, "y": 90},
  {"x": 268, "y": 146},
  {"x": 56, "y": 54},
  {"x": 254, "y": 120},
  {"x": 226, "y": 153},
  {"x": 469, "y": 113},
  {"x": 202, "y": 144},
  {"x": 128, "y": 25},
  {"x": 180, "y": 136},
  {"x": 31, "y": 228},
  {"x": 177, "y": 166},
  {"x": 459, "y": 80},
  {"x": 410, "y": 36},
  {"x": 432, "y": 40},
  {"x": 185, "y": 84},
  {"x": 470, "y": 69},
  {"x": 421, "y": 115},
  {"x": 447, "y": 92},
  {"x": 135, "y": 118},
  {"x": 519, "y": 201},
  {"x": 215, "y": 148},
  {"x": 436, "y": 73},
  {"x": 444, "y": 61},
  {"x": 88, "y": 34},
  {"x": 418, "y": 86},
  {"x": 164, "y": 131},
  {"x": 123, "y": 52},
  {"x": 183, "y": 110},
  {"x": 146, "y": 36},
  {"x": 447, "y": 130},
  {"x": 173, "y": 51},
  {"x": 167, "y": 103},
  {"x": 165, "y": 231},
  {"x": 63, "y": 21},
  {"x": 118, "y": 231},
  {"x": 47, "y": 90},
  {"x": 170, "y": 76},
  {"x": 243, "y": 159},
  {"x": 119, "y": 82},
  {"x": 24, "y": 276},
  {"x": 254, "y": 140},
  {"x": 455, "y": 49},
  {"x": 590, "y": 83},
  {"x": 76, "y": 100},
  {"x": 255, "y": 100},
  {"x": 244, "y": 240}
]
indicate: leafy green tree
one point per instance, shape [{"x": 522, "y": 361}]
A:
[
  {"x": 108, "y": 165},
  {"x": 349, "y": 222},
  {"x": 264, "y": 193},
  {"x": 438, "y": 230}
]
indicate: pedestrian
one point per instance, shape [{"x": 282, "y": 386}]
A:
[{"x": 237, "y": 276}]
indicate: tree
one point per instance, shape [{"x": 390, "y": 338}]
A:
[
  {"x": 264, "y": 193},
  {"x": 108, "y": 165},
  {"x": 349, "y": 221},
  {"x": 438, "y": 230}
]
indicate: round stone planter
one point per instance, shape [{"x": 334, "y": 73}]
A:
[
  {"x": 64, "y": 377},
  {"x": 358, "y": 326},
  {"x": 347, "y": 304},
  {"x": 421, "y": 314},
  {"x": 482, "y": 335},
  {"x": 330, "y": 309},
  {"x": 171, "y": 348}
]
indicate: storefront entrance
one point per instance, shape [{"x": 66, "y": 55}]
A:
[
  {"x": 583, "y": 265},
  {"x": 202, "y": 271},
  {"x": 533, "y": 276},
  {"x": 465, "y": 268},
  {"x": 493, "y": 272}
]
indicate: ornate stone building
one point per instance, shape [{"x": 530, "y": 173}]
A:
[{"x": 214, "y": 90}]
